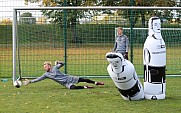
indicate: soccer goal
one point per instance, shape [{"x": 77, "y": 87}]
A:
[{"x": 81, "y": 36}]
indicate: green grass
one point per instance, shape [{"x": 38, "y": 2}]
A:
[{"x": 49, "y": 97}]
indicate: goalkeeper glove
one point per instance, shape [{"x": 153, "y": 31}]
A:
[
  {"x": 126, "y": 55},
  {"x": 26, "y": 82},
  {"x": 59, "y": 62}
]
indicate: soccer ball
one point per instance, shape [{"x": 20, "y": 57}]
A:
[{"x": 17, "y": 83}]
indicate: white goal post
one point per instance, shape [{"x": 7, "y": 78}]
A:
[{"x": 14, "y": 27}]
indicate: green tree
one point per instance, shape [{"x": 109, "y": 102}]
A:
[
  {"x": 73, "y": 16},
  {"x": 141, "y": 14},
  {"x": 178, "y": 4},
  {"x": 27, "y": 18}
]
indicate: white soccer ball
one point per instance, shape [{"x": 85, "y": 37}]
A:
[{"x": 17, "y": 83}]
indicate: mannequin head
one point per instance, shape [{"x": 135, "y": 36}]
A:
[
  {"x": 154, "y": 27},
  {"x": 116, "y": 60}
]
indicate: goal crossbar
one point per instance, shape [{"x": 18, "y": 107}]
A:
[{"x": 93, "y": 7}]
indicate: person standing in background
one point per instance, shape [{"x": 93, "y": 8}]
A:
[{"x": 121, "y": 43}]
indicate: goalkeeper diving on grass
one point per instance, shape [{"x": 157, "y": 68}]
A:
[{"x": 54, "y": 73}]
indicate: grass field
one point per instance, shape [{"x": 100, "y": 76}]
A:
[
  {"x": 49, "y": 97},
  {"x": 39, "y": 43}
]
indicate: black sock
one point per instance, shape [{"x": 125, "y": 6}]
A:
[
  {"x": 86, "y": 80},
  {"x": 76, "y": 87}
]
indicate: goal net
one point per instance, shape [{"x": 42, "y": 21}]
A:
[
  {"x": 81, "y": 36},
  {"x": 172, "y": 38}
]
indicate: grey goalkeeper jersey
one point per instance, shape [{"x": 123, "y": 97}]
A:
[
  {"x": 56, "y": 75},
  {"x": 121, "y": 44}
]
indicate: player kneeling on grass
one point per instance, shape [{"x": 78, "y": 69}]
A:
[{"x": 55, "y": 74}]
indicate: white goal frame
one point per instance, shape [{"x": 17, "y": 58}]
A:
[{"x": 14, "y": 27}]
